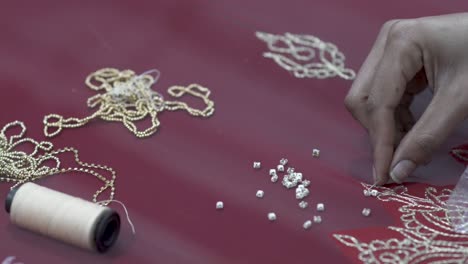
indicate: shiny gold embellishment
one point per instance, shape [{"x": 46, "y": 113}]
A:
[{"x": 128, "y": 98}]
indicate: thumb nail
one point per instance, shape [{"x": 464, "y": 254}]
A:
[{"x": 402, "y": 170}]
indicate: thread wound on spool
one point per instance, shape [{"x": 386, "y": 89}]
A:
[
  {"x": 63, "y": 217},
  {"x": 107, "y": 230},
  {"x": 9, "y": 199}
]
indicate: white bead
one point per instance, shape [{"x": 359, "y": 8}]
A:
[
  {"x": 219, "y": 205},
  {"x": 374, "y": 193},
  {"x": 271, "y": 216},
  {"x": 315, "y": 153},
  {"x": 280, "y": 167},
  {"x": 284, "y": 162},
  {"x": 307, "y": 224},
  {"x": 301, "y": 192},
  {"x": 306, "y": 183},
  {"x": 290, "y": 170},
  {"x": 272, "y": 172},
  {"x": 257, "y": 164},
  {"x": 260, "y": 194},
  {"x": 320, "y": 207},
  {"x": 274, "y": 178},
  {"x": 366, "y": 212},
  {"x": 303, "y": 204},
  {"x": 317, "y": 219},
  {"x": 367, "y": 193}
]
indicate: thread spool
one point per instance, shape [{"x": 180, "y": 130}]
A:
[{"x": 63, "y": 217}]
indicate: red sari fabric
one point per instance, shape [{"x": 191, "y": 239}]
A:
[{"x": 170, "y": 182}]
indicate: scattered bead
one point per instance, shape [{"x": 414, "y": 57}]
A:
[
  {"x": 374, "y": 193},
  {"x": 284, "y": 162},
  {"x": 257, "y": 165},
  {"x": 274, "y": 178},
  {"x": 320, "y": 207},
  {"x": 271, "y": 216},
  {"x": 303, "y": 204},
  {"x": 290, "y": 170},
  {"x": 272, "y": 172},
  {"x": 260, "y": 194},
  {"x": 367, "y": 193},
  {"x": 315, "y": 153},
  {"x": 219, "y": 205},
  {"x": 366, "y": 212},
  {"x": 306, "y": 183},
  {"x": 280, "y": 167},
  {"x": 307, "y": 224},
  {"x": 317, "y": 219},
  {"x": 301, "y": 192}
]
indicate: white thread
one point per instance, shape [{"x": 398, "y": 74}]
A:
[
  {"x": 125, "y": 209},
  {"x": 57, "y": 215}
]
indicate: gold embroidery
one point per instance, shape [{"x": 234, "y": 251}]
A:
[{"x": 128, "y": 98}]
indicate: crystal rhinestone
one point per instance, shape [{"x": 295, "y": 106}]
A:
[
  {"x": 271, "y": 216},
  {"x": 301, "y": 192},
  {"x": 306, "y": 183},
  {"x": 219, "y": 205},
  {"x": 320, "y": 207},
  {"x": 274, "y": 178},
  {"x": 303, "y": 204},
  {"x": 367, "y": 193},
  {"x": 272, "y": 172},
  {"x": 290, "y": 170},
  {"x": 280, "y": 167},
  {"x": 284, "y": 162},
  {"x": 374, "y": 193},
  {"x": 260, "y": 194},
  {"x": 315, "y": 153},
  {"x": 366, "y": 212},
  {"x": 317, "y": 219},
  {"x": 307, "y": 224},
  {"x": 257, "y": 165}
]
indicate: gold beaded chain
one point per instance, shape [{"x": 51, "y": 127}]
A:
[
  {"x": 18, "y": 166},
  {"x": 128, "y": 98}
]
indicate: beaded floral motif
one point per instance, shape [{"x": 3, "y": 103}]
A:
[
  {"x": 427, "y": 235},
  {"x": 306, "y": 56}
]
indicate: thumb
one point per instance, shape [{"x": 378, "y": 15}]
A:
[{"x": 440, "y": 118}]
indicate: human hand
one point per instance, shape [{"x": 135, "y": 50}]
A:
[{"x": 407, "y": 57}]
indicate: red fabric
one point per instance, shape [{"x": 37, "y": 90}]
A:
[{"x": 171, "y": 181}]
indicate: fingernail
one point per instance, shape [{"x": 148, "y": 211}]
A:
[
  {"x": 402, "y": 170},
  {"x": 374, "y": 174}
]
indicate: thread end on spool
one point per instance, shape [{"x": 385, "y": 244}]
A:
[
  {"x": 107, "y": 230},
  {"x": 9, "y": 199}
]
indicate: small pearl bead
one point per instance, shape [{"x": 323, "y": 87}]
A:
[
  {"x": 219, "y": 205},
  {"x": 303, "y": 204},
  {"x": 274, "y": 178},
  {"x": 320, "y": 207},
  {"x": 315, "y": 153},
  {"x": 374, "y": 193},
  {"x": 367, "y": 193},
  {"x": 271, "y": 216},
  {"x": 257, "y": 165},
  {"x": 366, "y": 212},
  {"x": 272, "y": 172},
  {"x": 307, "y": 224},
  {"x": 260, "y": 194},
  {"x": 284, "y": 162},
  {"x": 317, "y": 219},
  {"x": 280, "y": 168}
]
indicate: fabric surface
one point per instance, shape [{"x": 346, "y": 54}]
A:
[{"x": 171, "y": 181}]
